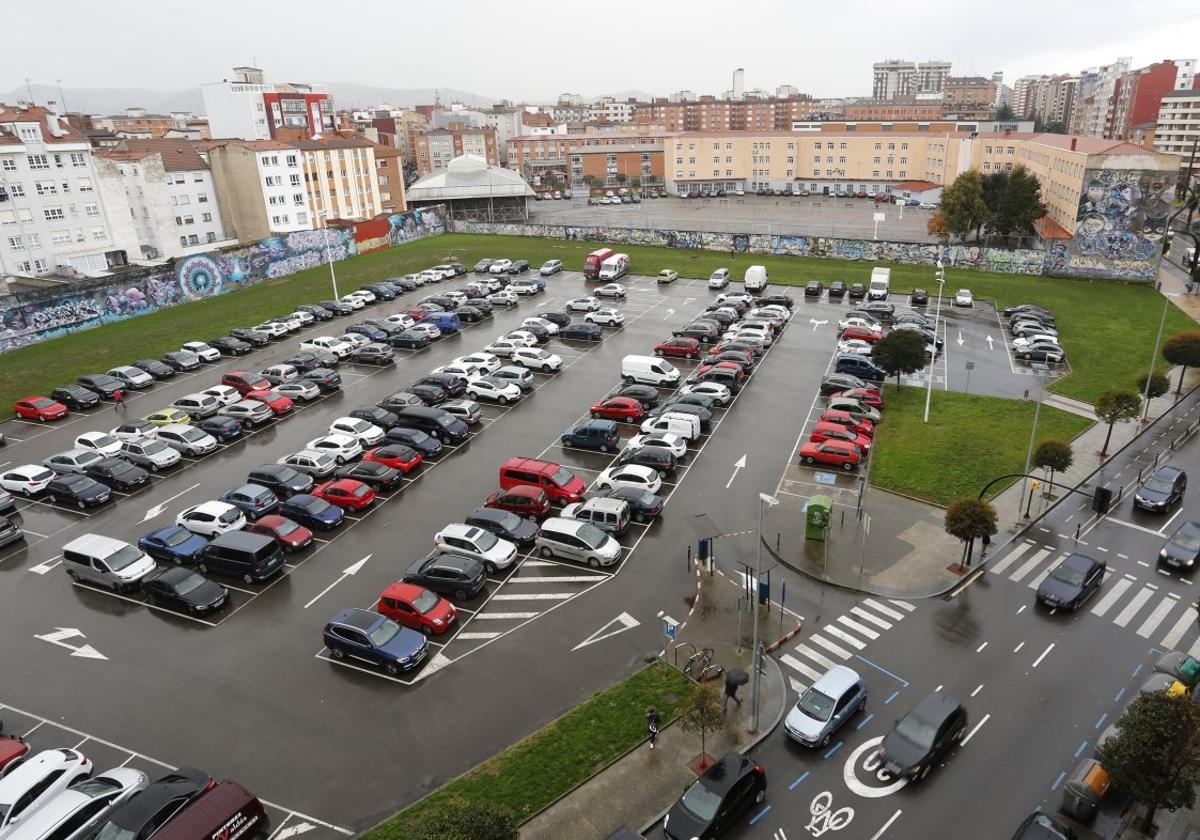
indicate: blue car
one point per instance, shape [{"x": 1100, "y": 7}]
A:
[
  {"x": 371, "y": 331},
  {"x": 313, "y": 513},
  {"x": 254, "y": 500},
  {"x": 370, "y": 637},
  {"x": 425, "y": 444},
  {"x": 447, "y": 322},
  {"x": 173, "y": 544}
]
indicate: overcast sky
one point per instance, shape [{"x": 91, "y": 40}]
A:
[{"x": 535, "y": 49}]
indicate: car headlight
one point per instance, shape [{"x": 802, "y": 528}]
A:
[
  {"x": 1163, "y": 554},
  {"x": 438, "y": 622},
  {"x": 915, "y": 769}
]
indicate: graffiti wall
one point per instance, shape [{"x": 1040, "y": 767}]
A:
[
  {"x": 1120, "y": 224},
  {"x": 1060, "y": 258},
  {"x": 202, "y": 276}
]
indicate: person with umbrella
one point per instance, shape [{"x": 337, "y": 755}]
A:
[
  {"x": 734, "y": 679},
  {"x": 653, "y": 722}
]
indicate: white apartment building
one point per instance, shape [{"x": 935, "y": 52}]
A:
[
  {"x": 1179, "y": 127},
  {"x": 52, "y": 219},
  {"x": 236, "y": 108},
  {"x": 610, "y": 110}
]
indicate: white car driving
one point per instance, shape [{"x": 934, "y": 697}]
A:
[
  {"x": 613, "y": 290},
  {"x": 963, "y": 297},
  {"x": 537, "y": 359}
]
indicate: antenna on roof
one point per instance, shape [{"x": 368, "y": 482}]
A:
[
  {"x": 29, "y": 90},
  {"x": 61, "y": 96}
]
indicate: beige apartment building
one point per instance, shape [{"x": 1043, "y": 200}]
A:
[{"x": 341, "y": 177}]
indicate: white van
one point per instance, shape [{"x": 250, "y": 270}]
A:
[
  {"x": 573, "y": 539},
  {"x": 615, "y": 267},
  {"x": 686, "y": 426},
  {"x": 756, "y": 278},
  {"x": 881, "y": 279},
  {"x": 649, "y": 370},
  {"x": 106, "y": 562}
]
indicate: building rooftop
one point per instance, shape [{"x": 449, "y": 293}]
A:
[
  {"x": 177, "y": 155},
  {"x": 10, "y": 114},
  {"x": 1182, "y": 94},
  {"x": 469, "y": 176}
]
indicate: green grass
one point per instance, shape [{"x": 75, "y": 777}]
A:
[
  {"x": 532, "y": 773},
  {"x": 1108, "y": 328},
  {"x": 969, "y": 440}
]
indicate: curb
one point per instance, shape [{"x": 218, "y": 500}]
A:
[
  {"x": 784, "y": 639},
  {"x": 881, "y": 591}
]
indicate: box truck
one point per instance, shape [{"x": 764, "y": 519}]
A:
[
  {"x": 593, "y": 261},
  {"x": 615, "y": 267},
  {"x": 881, "y": 279}
]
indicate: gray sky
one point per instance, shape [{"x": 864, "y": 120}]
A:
[{"x": 536, "y": 49}]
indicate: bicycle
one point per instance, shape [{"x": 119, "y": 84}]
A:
[{"x": 701, "y": 661}]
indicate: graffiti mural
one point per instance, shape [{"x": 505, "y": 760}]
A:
[
  {"x": 417, "y": 224},
  {"x": 1120, "y": 224}
]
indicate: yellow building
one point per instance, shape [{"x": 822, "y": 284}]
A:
[{"x": 341, "y": 176}]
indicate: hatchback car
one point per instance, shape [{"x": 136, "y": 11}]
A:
[
  {"x": 210, "y": 519},
  {"x": 39, "y": 408},
  {"x": 923, "y": 737},
  {"x": 716, "y": 801},
  {"x": 253, "y": 500},
  {"x": 346, "y": 493},
  {"x": 289, "y": 535},
  {"x": 173, "y": 544},
  {"x": 1160, "y": 492},
  {"x": 311, "y": 512},
  {"x": 417, "y": 608},
  {"x": 523, "y": 500},
  {"x": 1071, "y": 582},
  {"x": 625, "y": 409},
  {"x": 37, "y": 781},
  {"x": 369, "y": 637},
  {"x": 835, "y": 697},
  {"x": 72, "y": 461},
  {"x": 834, "y": 453},
  {"x": 448, "y": 573},
  {"x": 495, "y": 553},
  {"x": 631, "y": 475},
  {"x": 342, "y": 447}
]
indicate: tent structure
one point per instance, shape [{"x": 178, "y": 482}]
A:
[{"x": 471, "y": 190}]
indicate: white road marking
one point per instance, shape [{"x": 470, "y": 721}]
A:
[
  {"x": 886, "y": 825},
  {"x": 532, "y": 596},
  {"x": 559, "y": 579},
  {"x": 830, "y": 646},
  {"x": 866, "y": 616},
  {"x": 1038, "y": 661},
  {"x": 482, "y": 616},
  {"x": 1176, "y": 633},
  {"x": 793, "y": 662},
  {"x": 890, "y": 613},
  {"x": 904, "y": 605},
  {"x": 1156, "y": 618},
  {"x": 844, "y": 636},
  {"x": 1106, "y": 603},
  {"x": 814, "y": 656},
  {"x": 1029, "y": 565},
  {"x": 480, "y": 635},
  {"x": 858, "y": 628},
  {"x": 1133, "y": 606},
  {"x": 1037, "y": 579},
  {"x": 984, "y": 719}
]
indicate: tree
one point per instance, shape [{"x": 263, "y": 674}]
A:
[
  {"x": 1054, "y": 455},
  {"x": 1155, "y": 755},
  {"x": 1120, "y": 405},
  {"x": 938, "y": 226},
  {"x": 621, "y": 177},
  {"x": 1005, "y": 112},
  {"x": 459, "y": 819},
  {"x": 1159, "y": 384},
  {"x": 969, "y": 519},
  {"x": 900, "y": 351},
  {"x": 963, "y": 205},
  {"x": 1014, "y": 201},
  {"x": 702, "y": 711},
  {"x": 1182, "y": 349}
]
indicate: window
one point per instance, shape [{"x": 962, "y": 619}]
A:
[
  {"x": 40, "y": 266},
  {"x": 53, "y": 213},
  {"x": 295, "y": 180},
  {"x": 842, "y": 159},
  {"x": 46, "y": 187},
  {"x": 202, "y": 198},
  {"x": 878, "y": 147},
  {"x": 33, "y": 240},
  {"x": 60, "y": 237},
  {"x": 8, "y": 164},
  {"x": 183, "y": 241},
  {"x": 179, "y": 220},
  {"x": 174, "y": 200},
  {"x": 210, "y": 237},
  {"x": 16, "y": 190},
  {"x": 37, "y": 161},
  {"x": 78, "y": 159},
  {"x": 189, "y": 220},
  {"x": 16, "y": 243},
  {"x": 99, "y": 234},
  {"x": 91, "y": 210},
  {"x": 84, "y": 184},
  {"x": 904, "y": 147},
  {"x": 273, "y": 180},
  {"x": 206, "y": 217},
  {"x": 193, "y": 239},
  {"x": 8, "y": 217},
  {"x": 298, "y": 198},
  {"x": 183, "y": 199}
]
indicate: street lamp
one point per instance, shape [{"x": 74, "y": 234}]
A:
[
  {"x": 1154, "y": 356},
  {"x": 1037, "y": 410},
  {"x": 764, "y": 501},
  {"x": 941, "y": 278},
  {"x": 328, "y": 256}
]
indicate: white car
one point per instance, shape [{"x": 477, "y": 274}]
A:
[
  {"x": 37, "y": 781},
  {"x": 534, "y": 321},
  {"x": 609, "y": 317},
  {"x": 537, "y": 359},
  {"x": 206, "y": 353},
  {"x": 447, "y": 271},
  {"x": 223, "y": 394},
  {"x": 355, "y": 340},
  {"x": 486, "y": 362},
  {"x": 781, "y": 311},
  {"x": 630, "y": 475},
  {"x": 500, "y": 267},
  {"x": 1024, "y": 341},
  {"x": 343, "y": 448},
  {"x": 721, "y": 395},
  {"x": 963, "y": 297},
  {"x": 674, "y": 444},
  {"x": 522, "y": 335},
  {"x": 101, "y": 443},
  {"x": 316, "y": 464},
  {"x": 337, "y": 346},
  {"x": 494, "y": 553},
  {"x": 291, "y": 322},
  {"x": 523, "y": 287},
  {"x": 353, "y": 301},
  {"x": 430, "y": 276},
  {"x": 583, "y": 304},
  {"x": 248, "y": 412},
  {"x": 134, "y": 377},
  {"x": 305, "y": 318},
  {"x": 504, "y": 297},
  {"x": 299, "y": 389},
  {"x": 462, "y": 371},
  {"x": 429, "y": 329},
  {"x": 272, "y": 328},
  {"x": 211, "y": 519},
  {"x": 859, "y": 322},
  {"x": 135, "y": 430},
  {"x": 458, "y": 297},
  {"x": 27, "y": 479},
  {"x": 401, "y": 319},
  {"x": 927, "y": 205},
  {"x": 367, "y": 433},
  {"x": 613, "y": 290},
  {"x": 739, "y": 333},
  {"x": 735, "y": 297},
  {"x": 771, "y": 316},
  {"x": 855, "y": 345},
  {"x": 496, "y": 390},
  {"x": 365, "y": 295}
]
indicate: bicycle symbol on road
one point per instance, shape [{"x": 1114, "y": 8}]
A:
[{"x": 824, "y": 818}]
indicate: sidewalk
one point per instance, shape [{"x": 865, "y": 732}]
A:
[{"x": 640, "y": 787}]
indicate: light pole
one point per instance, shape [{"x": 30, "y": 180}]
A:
[
  {"x": 941, "y": 278},
  {"x": 1037, "y": 410},
  {"x": 1154, "y": 356},
  {"x": 764, "y": 501},
  {"x": 836, "y": 173},
  {"x": 329, "y": 257}
]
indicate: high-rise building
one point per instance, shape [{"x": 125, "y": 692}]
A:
[
  {"x": 1138, "y": 93},
  {"x": 710, "y": 113},
  {"x": 249, "y": 109},
  {"x": 898, "y": 78},
  {"x": 1178, "y": 128},
  {"x": 1094, "y": 98},
  {"x": 1050, "y": 99}
]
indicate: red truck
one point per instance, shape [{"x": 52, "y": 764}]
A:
[{"x": 593, "y": 262}]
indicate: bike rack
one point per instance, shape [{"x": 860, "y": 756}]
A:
[{"x": 676, "y": 651}]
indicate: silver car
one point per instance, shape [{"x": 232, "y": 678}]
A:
[
  {"x": 252, "y": 412},
  {"x": 301, "y": 389},
  {"x": 72, "y": 461},
  {"x": 833, "y": 699},
  {"x": 110, "y": 563},
  {"x": 79, "y": 810},
  {"x": 36, "y": 782},
  {"x": 187, "y": 439},
  {"x": 152, "y": 454},
  {"x": 198, "y": 406}
]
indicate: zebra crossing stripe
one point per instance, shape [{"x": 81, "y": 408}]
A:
[
  {"x": 795, "y": 663},
  {"x": 878, "y": 607},
  {"x": 873, "y": 619},
  {"x": 814, "y": 656},
  {"x": 1133, "y": 606},
  {"x": 1156, "y": 618},
  {"x": 480, "y": 635},
  {"x": 838, "y": 633},
  {"x": 830, "y": 646},
  {"x": 1029, "y": 565},
  {"x": 1012, "y": 557},
  {"x": 532, "y": 596},
  {"x": 904, "y": 605},
  {"x": 797, "y": 686},
  {"x": 482, "y": 616},
  {"x": 1114, "y": 594},
  {"x": 1036, "y": 580},
  {"x": 1176, "y": 633},
  {"x": 862, "y": 630},
  {"x": 559, "y": 579}
]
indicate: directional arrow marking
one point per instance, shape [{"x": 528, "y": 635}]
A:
[
  {"x": 61, "y": 634},
  {"x": 686, "y": 301},
  {"x": 352, "y": 569},
  {"x": 817, "y": 323},
  {"x": 960, "y": 338},
  {"x": 626, "y": 622},
  {"x": 161, "y": 506},
  {"x": 989, "y": 341},
  {"x": 670, "y": 312},
  {"x": 42, "y": 568},
  {"x": 293, "y": 830},
  {"x": 739, "y": 464}
]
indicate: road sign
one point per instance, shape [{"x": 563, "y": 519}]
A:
[
  {"x": 825, "y": 478},
  {"x": 970, "y": 365},
  {"x": 880, "y": 217},
  {"x": 670, "y": 627}
]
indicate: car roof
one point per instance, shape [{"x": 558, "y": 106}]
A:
[
  {"x": 364, "y": 620},
  {"x": 1080, "y": 562},
  {"x": 1168, "y": 472},
  {"x": 726, "y": 772},
  {"x": 134, "y": 813},
  {"x": 836, "y": 680},
  {"x": 936, "y": 707}
]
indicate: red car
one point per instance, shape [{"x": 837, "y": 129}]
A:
[
  {"x": 290, "y": 535},
  {"x": 835, "y": 431},
  {"x": 396, "y": 456},
  {"x": 845, "y": 418},
  {"x": 523, "y": 499},
  {"x": 415, "y": 606},
  {"x": 39, "y": 408},
  {"x": 867, "y": 396},
  {"x": 835, "y": 453},
  {"x": 686, "y": 348},
  {"x": 13, "y": 749},
  {"x": 618, "y": 408},
  {"x": 277, "y": 402},
  {"x": 345, "y": 493},
  {"x": 418, "y": 314},
  {"x": 732, "y": 367},
  {"x": 862, "y": 334}
]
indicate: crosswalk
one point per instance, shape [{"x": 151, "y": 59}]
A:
[
  {"x": 1123, "y": 599},
  {"x": 842, "y": 638}
]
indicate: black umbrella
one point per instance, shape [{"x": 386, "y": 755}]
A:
[{"x": 736, "y": 676}]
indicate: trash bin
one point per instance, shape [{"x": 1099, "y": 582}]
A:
[
  {"x": 1084, "y": 789},
  {"x": 817, "y": 511}
]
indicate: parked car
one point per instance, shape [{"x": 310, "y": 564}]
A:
[
  {"x": 369, "y": 637},
  {"x": 716, "y": 801},
  {"x": 417, "y": 608},
  {"x": 448, "y": 573},
  {"x": 73, "y": 397}
]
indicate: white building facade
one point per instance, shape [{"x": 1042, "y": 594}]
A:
[{"x": 236, "y": 108}]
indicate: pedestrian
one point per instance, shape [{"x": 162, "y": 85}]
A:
[
  {"x": 653, "y": 722},
  {"x": 731, "y": 250},
  {"x": 119, "y": 400},
  {"x": 731, "y": 690},
  {"x": 1196, "y": 607},
  {"x": 987, "y": 541}
]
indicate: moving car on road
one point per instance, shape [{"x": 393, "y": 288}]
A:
[
  {"x": 921, "y": 739},
  {"x": 1071, "y": 582}
]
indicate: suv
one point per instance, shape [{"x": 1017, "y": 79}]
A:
[
  {"x": 921, "y": 739},
  {"x": 370, "y": 637},
  {"x": 1158, "y": 493},
  {"x": 719, "y": 279},
  {"x": 593, "y": 434}
]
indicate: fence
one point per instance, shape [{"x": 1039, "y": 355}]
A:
[{"x": 45, "y": 314}]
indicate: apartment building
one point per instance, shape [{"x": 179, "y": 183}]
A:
[
  {"x": 899, "y": 78},
  {"x": 435, "y": 148},
  {"x": 1093, "y": 105},
  {"x": 52, "y": 219},
  {"x": 896, "y": 108},
  {"x": 260, "y": 187},
  {"x": 389, "y": 174},
  {"x": 1178, "y": 129},
  {"x": 248, "y": 108},
  {"x": 969, "y": 94},
  {"x": 136, "y": 123},
  {"x": 711, "y": 114},
  {"x": 603, "y": 155},
  {"x": 340, "y": 178},
  {"x": 1138, "y": 94}
]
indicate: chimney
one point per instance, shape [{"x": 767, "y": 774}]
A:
[
  {"x": 52, "y": 124},
  {"x": 1074, "y": 142}
]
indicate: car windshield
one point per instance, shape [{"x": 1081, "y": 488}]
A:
[
  {"x": 189, "y": 584},
  {"x": 125, "y": 556},
  {"x": 179, "y": 537},
  {"x": 384, "y": 633},
  {"x": 154, "y": 447},
  {"x": 1068, "y": 575},
  {"x": 1187, "y": 537},
  {"x": 816, "y": 705},
  {"x": 700, "y": 801},
  {"x": 916, "y": 731},
  {"x": 192, "y": 435},
  {"x": 591, "y": 535},
  {"x": 77, "y": 483},
  {"x": 230, "y": 516},
  {"x": 486, "y": 540},
  {"x": 1157, "y": 485},
  {"x": 425, "y": 602}
]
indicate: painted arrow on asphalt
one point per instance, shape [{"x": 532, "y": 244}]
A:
[
  {"x": 989, "y": 340},
  {"x": 352, "y": 569},
  {"x": 161, "y": 506},
  {"x": 625, "y": 622},
  {"x": 293, "y": 830},
  {"x": 670, "y": 312},
  {"x": 686, "y": 301},
  {"x": 960, "y": 338},
  {"x": 61, "y": 634},
  {"x": 817, "y": 323},
  {"x": 738, "y": 465}
]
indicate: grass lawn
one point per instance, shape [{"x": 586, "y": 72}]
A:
[
  {"x": 969, "y": 440},
  {"x": 531, "y": 774},
  {"x": 1108, "y": 328}
]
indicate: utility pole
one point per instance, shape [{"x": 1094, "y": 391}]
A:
[
  {"x": 1029, "y": 452},
  {"x": 764, "y": 501}
]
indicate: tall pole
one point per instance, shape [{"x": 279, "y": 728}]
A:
[
  {"x": 1153, "y": 358},
  {"x": 763, "y": 501},
  {"x": 936, "y": 321},
  {"x": 329, "y": 257},
  {"x": 1029, "y": 452}
]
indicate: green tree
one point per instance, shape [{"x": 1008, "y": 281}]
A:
[
  {"x": 1159, "y": 384},
  {"x": 1014, "y": 202},
  {"x": 938, "y": 226},
  {"x": 995, "y": 187},
  {"x": 459, "y": 819},
  {"x": 1005, "y": 112},
  {"x": 1119, "y": 405},
  {"x": 969, "y": 519},
  {"x": 621, "y": 177},
  {"x": 1155, "y": 755},
  {"x": 1182, "y": 349},
  {"x": 900, "y": 351},
  {"x": 963, "y": 205},
  {"x": 1054, "y": 455},
  {"x": 701, "y": 712}
]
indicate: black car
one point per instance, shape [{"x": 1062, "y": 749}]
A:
[
  {"x": 738, "y": 357},
  {"x": 229, "y": 345},
  {"x": 519, "y": 267},
  {"x": 716, "y": 801},
  {"x": 117, "y": 474},
  {"x": 1042, "y": 826},
  {"x": 403, "y": 284},
  {"x": 722, "y": 319},
  {"x": 336, "y": 307},
  {"x": 319, "y": 313},
  {"x": 504, "y": 524},
  {"x": 835, "y": 382},
  {"x": 155, "y": 368},
  {"x": 1182, "y": 549},
  {"x": 857, "y": 291},
  {"x": 410, "y": 340},
  {"x": 469, "y": 314},
  {"x": 181, "y": 360},
  {"x": 1029, "y": 309},
  {"x": 326, "y": 379},
  {"x": 484, "y": 306},
  {"x": 102, "y": 384},
  {"x": 837, "y": 290},
  {"x": 458, "y": 268},
  {"x": 374, "y": 354},
  {"x": 647, "y": 395},
  {"x": 1162, "y": 490},
  {"x": 224, "y": 429},
  {"x": 643, "y": 505},
  {"x": 382, "y": 291},
  {"x": 427, "y": 445},
  {"x": 921, "y": 739},
  {"x": 387, "y": 326},
  {"x": 445, "y": 302},
  {"x": 451, "y": 384},
  {"x": 813, "y": 288},
  {"x": 75, "y": 397},
  {"x": 1071, "y": 582},
  {"x": 581, "y": 332},
  {"x": 785, "y": 301},
  {"x": 185, "y": 590},
  {"x": 755, "y": 348},
  {"x": 381, "y": 417},
  {"x": 378, "y": 476},
  {"x": 919, "y": 297},
  {"x": 559, "y": 319},
  {"x": 255, "y": 338},
  {"x": 303, "y": 362},
  {"x": 539, "y": 332},
  {"x": 368, "y": 331},
  {"x": 431, "y": 393},
  {"x": 397, "y": 401},
  {"x": 654, "y": 457},
  {"x": 78, "y": 490},
  {"x": 880, "y": 309},
  {"x": 145, "y": 813},
  {"x": 445, "y": 573},
  {"x": 705, "y": 333},
  {"x": 281, "y": 479},
  {"x": 483, "y": 265}
]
